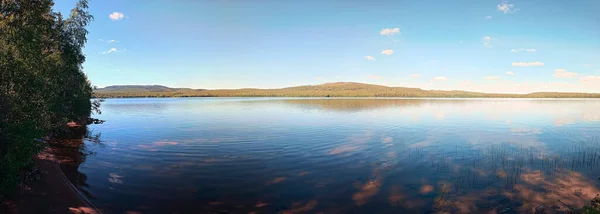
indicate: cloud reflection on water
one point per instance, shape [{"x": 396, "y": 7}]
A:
[
  {"x": 380, "y": 155},
  {"x": 353, "y": 143}
]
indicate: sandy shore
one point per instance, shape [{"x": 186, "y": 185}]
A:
[{"x": 51, "y": 193}]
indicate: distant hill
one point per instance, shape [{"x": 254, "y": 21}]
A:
[
  {"x": 141, "y": 91},
  {"x": 338, "y": 89},
  {"x": 140, "y": 88}
]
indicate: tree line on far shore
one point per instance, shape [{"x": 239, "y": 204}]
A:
[
  {"x": 42, "y": 84},
  {"x": 342, "y": 89}
]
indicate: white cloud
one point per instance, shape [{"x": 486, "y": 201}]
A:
[
  {"x": 488, "y": 17},
  {"x": 527, "y": 64},
  {"x": 591, "y": 80},
  {"x": 562, "y": 73},
  {"x": 369, "y": 58},
  {"x": 445, "y": 69},
  {"x": 510, "y": 73},
  {"x": 415, "y": 75},
  {"x": 108, "y": 41},
  {"x": 116, "y": 16},
  {"x": 110, "y": 51},
  {"x": 587, "y": 65},
  {"x": 318, "y": 78},
  {"x": 387, "y": 52},
  {"x": 374, "y": 77},
  {"x": 492, "y": 77},
  {"x": 523, "y": 49},
  {"x": 389, "y": 31},
  {"x": 487, "y": 41},
  {"x": 440, "y": 78},
  {"x": 507, "y": 8}
]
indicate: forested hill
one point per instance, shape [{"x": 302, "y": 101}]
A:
[
  {"x": 338, "y": 89},
  {"x": 139, "y": 88}
]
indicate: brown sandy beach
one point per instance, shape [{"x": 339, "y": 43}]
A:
[{"x": 49, "y": 190}]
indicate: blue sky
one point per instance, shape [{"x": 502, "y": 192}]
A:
[{"x": 478, "y": 45}]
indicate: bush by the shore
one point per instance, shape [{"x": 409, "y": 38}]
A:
[{"x": 42, "y": 84}]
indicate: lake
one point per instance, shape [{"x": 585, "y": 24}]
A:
[{"x": 340, "y": 155}]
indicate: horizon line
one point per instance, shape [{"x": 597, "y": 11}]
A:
[{"x": 345, "y": 82}]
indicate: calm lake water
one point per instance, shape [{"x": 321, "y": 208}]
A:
[{"x": 268, "y": 155}]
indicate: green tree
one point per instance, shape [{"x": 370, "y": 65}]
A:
[{"x": 41, "y": 80}]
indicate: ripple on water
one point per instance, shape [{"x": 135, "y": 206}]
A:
[{"x": 346, "y": 155}]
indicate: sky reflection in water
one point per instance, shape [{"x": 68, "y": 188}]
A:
[{"x": 344, "y": 155}]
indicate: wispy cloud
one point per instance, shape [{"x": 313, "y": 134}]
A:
[
  {"x": 415, "y": 75},
  {"x": 587, "y": 65},
  {"x": 522, "y": 49},
  {"x": 591, "y": 80},
  {"x": 510, "y": 73},
  {"x": 374, "y": 77},
  {"x": 389, "y": 31},
  {"x": 387, "y": 52},
  {"x": 492, "y": 77},
  {"x": 562, "y": 73},
  {"x": 108, "y": 41},
  {"x": 318, "y": 78},
  {"x": 116, "y": 16},
  {"x": 487, "y": 41},
  {"x": 505, "y": 7},
  {"x": 112, "y": 50},
  {"x": 488, "y": 17},
  {"x": 369, "y": 58},
  {"x": 440, "y": 78},
  {"x": 527, "y": 64}
]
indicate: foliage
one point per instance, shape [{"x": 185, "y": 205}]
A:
[
  {"x": 340, "y": 89},
  {"x": 593, "y": 207},
  {"x": 42, "y": 85}
]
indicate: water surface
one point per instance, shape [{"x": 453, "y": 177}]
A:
[{"x": 266, "y": 155}]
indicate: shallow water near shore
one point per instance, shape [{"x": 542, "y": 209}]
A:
[{"x": 340, "y": 155}]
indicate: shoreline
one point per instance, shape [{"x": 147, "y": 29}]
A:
[
  {"x": 50, "y": 192},
  {"x": 358, "y": 98},
  {"x": 83, "y": 199}
]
